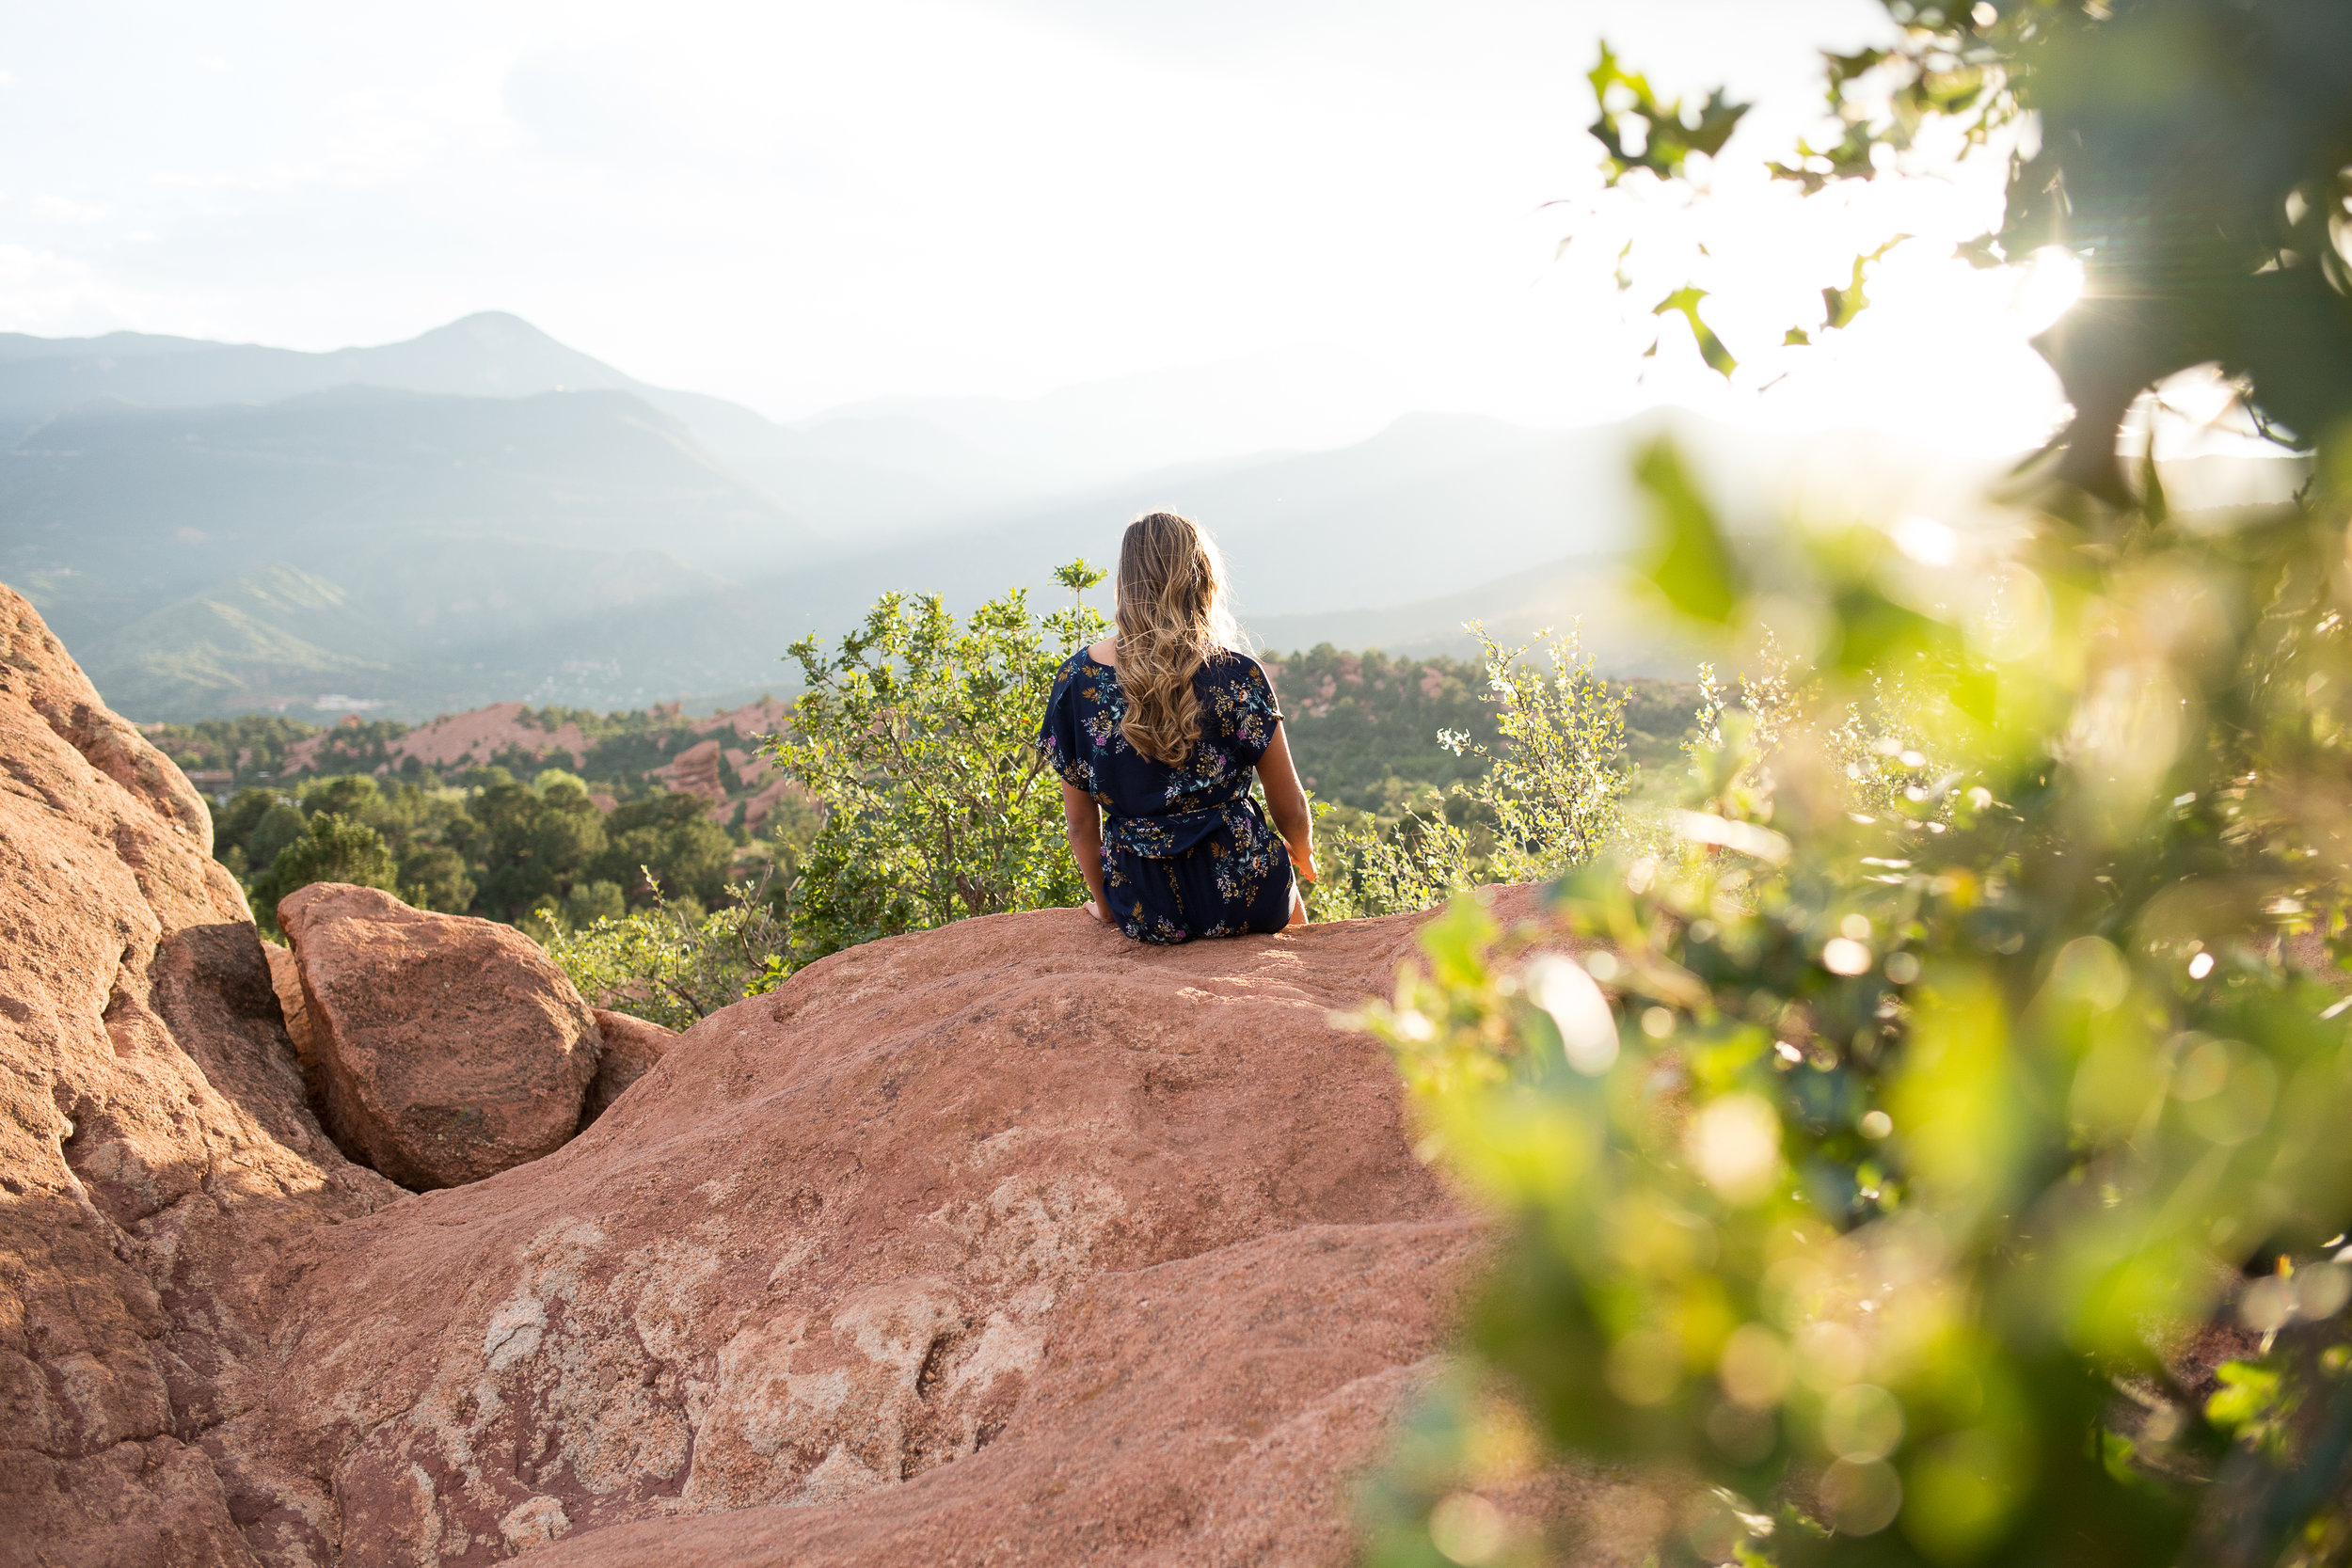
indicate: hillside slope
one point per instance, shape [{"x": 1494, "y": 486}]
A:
[
  {"x": 601, "y": 469},
  {"x": 391, "y": 546}
]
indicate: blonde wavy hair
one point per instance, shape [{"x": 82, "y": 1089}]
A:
[{"x": 1172, "y": 616}]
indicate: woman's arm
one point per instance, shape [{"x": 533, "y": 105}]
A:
[
  {"x": 1085, "y": 819},
  {"x": 1286, "y": 802}
]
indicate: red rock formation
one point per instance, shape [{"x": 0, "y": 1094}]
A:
[
  {"x": 1012, "y": 1240},
  {"x": 752, "y": 722},
  {"x": 477, "y": 736},
  {"x": 1012, "y": 1243},
  {"x": 285, "y": 978},
  {"x": 631, "y": 1047},
  {"x": 157, "y": 1158},
  {"x": 449, "y": 1048},
  {"x": 463, "y": 740},
  {"x": 760, "y": 807},
  {"x": 695, "y": 771}
]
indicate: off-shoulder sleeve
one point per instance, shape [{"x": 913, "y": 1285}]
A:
[
  {"x": 1058, "y": 736},
  {"x": 1254, "y": 712}
]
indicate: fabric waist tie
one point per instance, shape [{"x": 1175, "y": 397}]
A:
[{"x": 1161, "y": 837}]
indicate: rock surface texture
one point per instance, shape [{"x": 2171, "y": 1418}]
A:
[
  {"x": 286, "y": 980},
  {"x": 1012, "y": 1243},
  {"x": 449, "y": 1048},
  {"x": 157, "y": 1155},
  {"x": 631, "y": 1047}
]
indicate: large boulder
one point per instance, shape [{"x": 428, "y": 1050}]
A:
[
  {"x": 449, "y": 1048},
  {"x": 1012, "y": 1242},
  {"x": 158, "y": 1157}
]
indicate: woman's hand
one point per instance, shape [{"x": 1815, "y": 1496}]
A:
[{"x": 1302, "y": 859}]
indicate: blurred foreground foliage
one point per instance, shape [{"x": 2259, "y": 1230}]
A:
[{"x": 1894, "y": 1147}]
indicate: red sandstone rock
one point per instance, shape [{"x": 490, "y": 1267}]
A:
[
  {"x": 760, "y": 807},
  {"x": 1012, "y": 1243},
  {"x": 450, "y": 1048},
  {"x": 695, "y": 771},
  {"x": 631, "y": 1047},
  {"x": 157, "y": 1155},
  {"x": 285, "y": 978},
  {"x": 455, "y": 739},
  {"x": 752, "y": 722}
]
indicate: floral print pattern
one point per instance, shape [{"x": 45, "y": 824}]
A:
[{"x": 1185, "y": 851}]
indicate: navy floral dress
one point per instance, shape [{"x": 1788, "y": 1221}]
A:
[{"x": 1185, "y": 853}]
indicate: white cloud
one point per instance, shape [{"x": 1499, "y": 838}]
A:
[
  {"x": 57, "y": 209},
  {"x": 801, "y": 204},
  {"x": 50, "y": 295}
]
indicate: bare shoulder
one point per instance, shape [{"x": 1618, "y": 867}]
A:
[{"x": 1104, "y": 652}]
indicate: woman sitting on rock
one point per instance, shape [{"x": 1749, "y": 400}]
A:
[{"x": 1161, "y": 727}]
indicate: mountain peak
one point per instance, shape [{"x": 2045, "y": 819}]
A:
[{"x": 487, "y": 327}]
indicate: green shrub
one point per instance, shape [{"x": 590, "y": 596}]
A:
[
  {"x": 332, "y": 848},
  {"x": 280, "y": 826},
  {"x": 669, "y": 962},
  {"x": 436, "y": 878},
  {"x": 589, "y": 902},
  {"x": 1909, "y": 1105},
  {"x": 918, "y": 739},
  {"x": 234, "y": 824},
  {"x": 1548, "y": 798},
  {"x": 354, "y": 796},
  {"x": 671, "y": 833},
  {"x": 534, "y": 845}
]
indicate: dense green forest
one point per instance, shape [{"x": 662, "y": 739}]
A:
[
  {"x": 568, "y": 813},
  {"x": 483, "y": 843},
  {"x": 530, "y": 828},
  {"x": 623, "y": 749}
]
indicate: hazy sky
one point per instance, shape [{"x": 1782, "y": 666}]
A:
[{"x": 800, "y": 205}]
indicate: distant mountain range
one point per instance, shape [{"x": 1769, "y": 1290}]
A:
[
  {"x": 483, "y": 514},
  {"x": 878, "y": 468}
]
